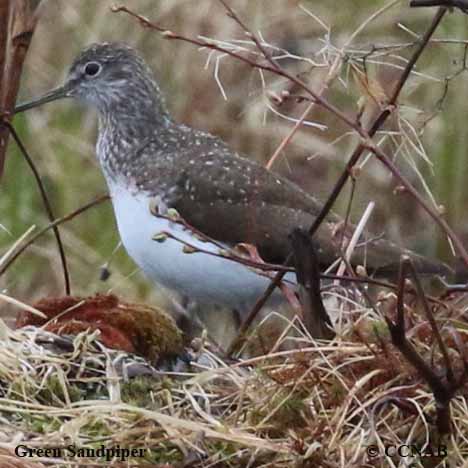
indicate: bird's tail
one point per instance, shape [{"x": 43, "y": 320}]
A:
[{"x": 383, "y": 258}]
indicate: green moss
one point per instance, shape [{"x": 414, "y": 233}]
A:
[
  {"x": 337, "y": 392},
  {"x": 163, "y": 453},
  {"x": 137, "y": 392},
  {"x": 54, "y": 392},
  {"x": 157, "y": 334},
  {"x": 96, "y": 428},
  {"x": 380, "y": 330},
  {"x": 288, "y": 411},
  {"x": 41, "y": 424}
]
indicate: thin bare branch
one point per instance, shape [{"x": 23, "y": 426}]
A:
[
  {"x": 443, "y": 389},
  {"x": 254, "y": 64},
  {"x": 316, "y": 319},
  {"x": 46, "y": 203},
  {"x": 430, "y": 318},
  {"x": 461, "y": 4},
  {"x": 17, "y": 23},
  {"x": 50, "y": 226}
]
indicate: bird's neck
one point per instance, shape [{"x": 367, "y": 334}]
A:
[{"x": 123, "y": 132}]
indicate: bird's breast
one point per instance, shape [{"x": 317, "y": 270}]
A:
[{"x": 181, "y": 261}]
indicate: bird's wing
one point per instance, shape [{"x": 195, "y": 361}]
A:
[{"x": 235, "y": 200}]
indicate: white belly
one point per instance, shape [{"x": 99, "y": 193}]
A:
[{"x": 203, "y": 277}]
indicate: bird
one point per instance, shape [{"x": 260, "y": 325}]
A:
[{"x": 158, "y": 170}]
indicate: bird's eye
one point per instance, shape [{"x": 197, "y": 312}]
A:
[{"x": 92, "y": 69}]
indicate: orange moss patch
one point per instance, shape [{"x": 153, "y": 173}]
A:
[{"x": 130, "y": 327}]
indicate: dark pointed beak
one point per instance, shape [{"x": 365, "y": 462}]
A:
[{"x": 57, "y": 93}]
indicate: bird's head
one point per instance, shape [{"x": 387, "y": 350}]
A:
[{"x": 107, "y": 76}]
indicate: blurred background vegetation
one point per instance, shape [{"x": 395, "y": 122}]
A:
[{"x": 61, "y": 136}]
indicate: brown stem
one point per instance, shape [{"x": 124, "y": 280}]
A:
[
  {"x": 432, "y": 322},
  {"x": 316, "y": 319},
  {"x": 18, "y": 19},
  {"x": 47, "y": 205},
  {"x": 52, "y": 225},
  {"x": 387, "y": 162},
  {"x": 462, "y": 4},
  {"x": 442, "y": 389}
]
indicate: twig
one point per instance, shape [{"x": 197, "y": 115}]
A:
[
  {"x": 387, "y": 162},
  {"x": 316, "y": 320},
  {"x": 348, "y": 212},
  {"x": 443, "y": 391},
  {"x": 45, "y": 201},
  {"x": 263, "y": 266},
  {"x": 5, "y": 11},
  {"x": 55, "y": 223},
  {"x": 232, "y": 255},
  {"x": 226, "y": 253},
  {"x": 432, "y": 322},
  {"x": 334, "y": 70},
  {"x": 461, "y": 4},
  {"x": 17, "y": 23},
  {"x": 267, "y": 67}
]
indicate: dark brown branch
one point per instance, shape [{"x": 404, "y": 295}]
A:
[
  {"x": 50, "y": 226},
  {"x": 387, "y": 162},
  {"x": 18, "y": 19},
  {"x": 442, "y": 389},
  {"x": 316, "y": 320},
  {"x": 461, "y": 4},
  {"x": 5, "y": 11},
  {"x": 432, "y": 322},
  {"x": 379, "y": 121},
  {"x": 45, "y": 201}
]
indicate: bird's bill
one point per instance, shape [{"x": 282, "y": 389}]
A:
[{"x": 57, "y": 93}]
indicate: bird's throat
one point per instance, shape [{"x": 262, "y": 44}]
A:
[{"x": 121, "y": 141}]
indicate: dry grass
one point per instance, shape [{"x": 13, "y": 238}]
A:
[{"x": 322, "y": 405}]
